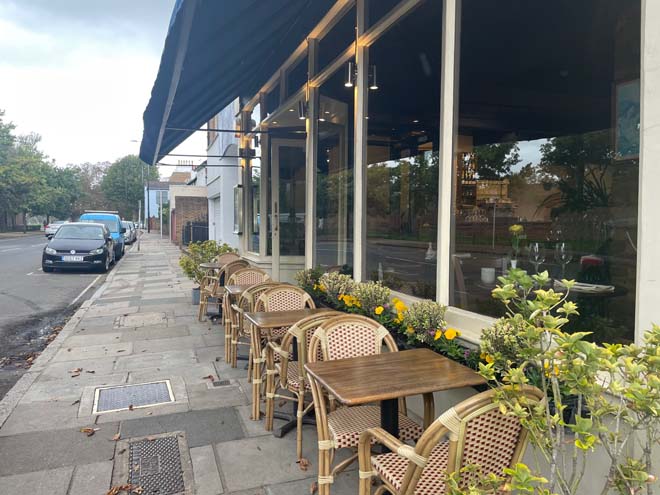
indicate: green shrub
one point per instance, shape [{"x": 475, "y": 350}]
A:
[{"x": 201, "y": 252}]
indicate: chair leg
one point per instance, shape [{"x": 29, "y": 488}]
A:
[
  {"x": 324, "y": 472},
  {"x": 299, "y": 423},
  {"x": 270, "y": 402},
  {"x": 249, "y": 368}
]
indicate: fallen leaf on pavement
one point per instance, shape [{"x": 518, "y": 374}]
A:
[
  {"x": 304, "y": 464},
  {"x": 89, "y": 431},
  {"x": 116, "y": 436},
  {"x": 130, "y": 407},
  {"x": 208, "y": 377},
  {"x": 150, "y": 439},
  {"x": 75, "y": 370},
  {"x": 75, "y": 402},
  {"x": 128, "y": 488},
  {"x": 313, "y": 488},
  {"x": 90, "y": 371},
  {"x": 75, "y": 375}
]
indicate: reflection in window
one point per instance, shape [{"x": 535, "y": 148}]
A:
[
  {"x": 402, "y": 154},
  {"x": 542, "y": 180},
  {"x": 334, "y": 176},
  {"x": 255, "y": 202}
]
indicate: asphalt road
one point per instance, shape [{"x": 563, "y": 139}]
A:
[{"x": 33, "y": 302}]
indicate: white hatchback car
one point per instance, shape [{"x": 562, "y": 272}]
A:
[{"x": 52, "y": 228}]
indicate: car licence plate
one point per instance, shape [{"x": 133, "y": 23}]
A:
[{"x": 72, "y": 258}]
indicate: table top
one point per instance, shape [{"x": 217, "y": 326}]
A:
[
  {"x": 277, "y": 319},
  {"x": 210, "y": 266},
  {"x": 391, "y": 375},
  {"x": 237, "y": 290}
]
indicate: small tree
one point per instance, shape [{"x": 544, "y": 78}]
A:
[
  {"x": 201, "y": 252},
  {"x": 612, "y": 391}
]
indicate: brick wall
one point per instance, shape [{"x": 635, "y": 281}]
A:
[{"x": 188, "y": 209}]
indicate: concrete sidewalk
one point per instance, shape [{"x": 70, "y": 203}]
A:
[{"x": 141, "y": 328}]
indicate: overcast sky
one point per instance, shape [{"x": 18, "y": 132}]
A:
[{"x": 80, "y": 73}]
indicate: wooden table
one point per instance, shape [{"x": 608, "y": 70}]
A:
[
  {"x": 389, "y": 376},
  {"x": 267, "y": 320},
  {"x": 236, "y": 290},
  {"x": 210, "y": 266}
]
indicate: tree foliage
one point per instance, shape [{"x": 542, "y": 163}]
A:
[
  {"x": 30, "y": 183},
  {"x": 122, "y": 184}
]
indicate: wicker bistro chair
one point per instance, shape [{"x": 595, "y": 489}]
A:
[
  {"x": 224, "y": 258},
  {"x": 344, "y": 337},
  {"x": 240, "y": 334},
  {"x": 215, "y": 287},
  {"x": 478, "y": 434},
  {"x": 280, "y": 298},
  {"x": 244, "y": 276},
  {"x": 290, "y": 376}
]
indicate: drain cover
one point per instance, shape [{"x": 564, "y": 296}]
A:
[
  {"x": 123, "y": 397},
  {"x": 158, "y": 464}
]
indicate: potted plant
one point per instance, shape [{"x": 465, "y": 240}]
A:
[
  {"x": 197, "y": 253},
  {"x": 614, "y": 391},
  {"x": 517, "y": 232}
]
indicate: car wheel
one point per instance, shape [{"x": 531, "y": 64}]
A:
[
  {"x": 106, "y": 265},
  {"x": 46, "y": 269}
]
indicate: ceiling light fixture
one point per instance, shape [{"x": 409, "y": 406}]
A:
[
  {"x": 350, "y": 76},
  {"x": 373, "y": 84},
  {"x": 302, "y": 110}
]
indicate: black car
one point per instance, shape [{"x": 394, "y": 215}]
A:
[{"x": 79, "y": 245}]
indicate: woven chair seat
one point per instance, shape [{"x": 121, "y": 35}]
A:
[
  {"x": 392, "y": 468},
  {"x": 347, "y": 423},
  {"x": 293, "y": 377}
]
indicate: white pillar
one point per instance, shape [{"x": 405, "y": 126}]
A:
[
  {"x": 648, "y": 236},
  {"x": 448, "y": 112},
  {"x": 311, "y": 154}
]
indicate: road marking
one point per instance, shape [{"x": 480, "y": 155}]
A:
[
  {"x": 37, "y": 245},
  {"x": 31, "y": 273},
  {"x": 84, "y": 290},
  {"x": 10, "y": 249}
]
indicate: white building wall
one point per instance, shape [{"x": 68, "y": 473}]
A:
[{"x": 220, "y": 181}]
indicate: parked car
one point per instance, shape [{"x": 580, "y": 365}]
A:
[
  {"x": 80, "y": 245},
  {"x": 111, "y": 220},
  {"x": 52, "y": 227},
  {"x": 130, "y": 236}
]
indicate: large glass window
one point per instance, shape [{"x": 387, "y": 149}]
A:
[
  {"x": 337, "y": 39},
  {"x": 402, "y": 153},
  {"x": 255, "y": 204},
  {"x": 546, "y": 169},
  {"x": 334, "y": 175}
]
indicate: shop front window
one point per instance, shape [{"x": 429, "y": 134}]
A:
[
  {"x": 402, "y": 153},
  {"x": 334, "y": 176},
  {"x": 546, "y": 165}
]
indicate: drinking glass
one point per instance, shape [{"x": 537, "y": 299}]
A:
[
  {"x": 536, "y": 255},
  {"x": 563, "y": 256}
]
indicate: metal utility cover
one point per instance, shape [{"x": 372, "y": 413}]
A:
[
  {"x": 122, "y": 397},
  {"x": 158, "y": 464}
]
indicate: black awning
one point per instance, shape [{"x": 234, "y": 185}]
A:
[{"x": 215, "y": 51}]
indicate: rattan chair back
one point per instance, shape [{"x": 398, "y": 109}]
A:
[
  {"x": 348, "y": 336},
  {"x": 224, "y": 258},
  {"x": 284, "y": 298},
  {"x": 479, "y": 436},
  {"x": 248, "y": 276}
]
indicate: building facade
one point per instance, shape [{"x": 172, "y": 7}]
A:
[{"x": 447, "y": 142}]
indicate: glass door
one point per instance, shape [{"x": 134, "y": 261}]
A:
[{"x": 288, "y": 193}]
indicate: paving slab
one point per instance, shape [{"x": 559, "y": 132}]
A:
[
  {"x": 70, "y": 390},
  {"x": 42, "y": 416},
  {"x": 83, "y": 339},
  {"x": 157, "y": 332},
  {"x": 64, "y": 370},
  {"x": 345, "y": 483},
  {"x": 261, "y": 461},
  {"x": 201, "y": 427},
  {"x": 41, "y": 450},
  {"x": 156, "y": 360},
  {"x": 91, "y": 479},
  {"x": 93, "y": 351},
  {"x": 205, "y": 471},
  {"x": 206, "y": 396},
  {"x": 141, "y": 320},
  {"x": 192, "y": 374},
  {"x": 166, "y": 344},
  {"x": 52, "y": 482}
]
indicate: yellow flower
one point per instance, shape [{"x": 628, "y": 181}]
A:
[
  {"x": 399, "y": 318},
  {"x": 451, "y": 333},
  {"x": 516, "y": 229},
  {"x": 438, "y": 334},
  {"x": 487, "y": 357},
  {"x": 395, "y": 300},
  {"x": 410, "y": 330},
  {"x": 322, "y": 288},
  {"x": 379, "y": 310},
  {"x": 400, "y": 306}
]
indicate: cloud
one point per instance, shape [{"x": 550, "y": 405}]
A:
[{"x": 80, "y": 72}]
